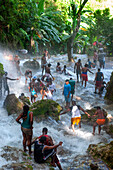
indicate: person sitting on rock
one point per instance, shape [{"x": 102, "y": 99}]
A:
[
  {"x": 100, "y": 119},
  {"x": 42, "y": 151}
]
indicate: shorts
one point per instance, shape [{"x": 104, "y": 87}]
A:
[
  {"x": 72, "y": 91},
  {"x": 100, "y": 121},
  {"x": 68, "y": 99},
  {"x": 75, "y": 120},
  {"x": 84, "y": 77},
  {"x": 48, "y": 153},
  {"x": 98, "y": 84},
  {"x": 28, "y": 132},
  {"x": 32, "y": 97}
]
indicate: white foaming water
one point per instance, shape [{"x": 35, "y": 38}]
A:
[{"x": 75, "y": 143}]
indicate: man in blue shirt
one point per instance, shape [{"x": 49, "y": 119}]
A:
[{"x": 67, "y": 93}]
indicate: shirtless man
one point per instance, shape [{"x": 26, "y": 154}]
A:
[
  {"x": 84, "y": 74},
  {"x": 99, "y": 77},
  {"x": 47, "y": 72},
  {"x": 78, "y": 67},
  {"x": 43, "y": 63},
  {"x": 100, "y": 119},
  {"x": 5, "y": 84},
  {"x": 58, "y": 68}
]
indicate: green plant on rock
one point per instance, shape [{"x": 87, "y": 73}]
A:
[{"x": 45, "y": 108}]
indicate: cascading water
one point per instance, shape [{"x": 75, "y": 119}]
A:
[{"x": 73, "y": 143}]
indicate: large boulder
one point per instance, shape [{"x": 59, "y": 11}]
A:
[
  {"x": 109, "y": 89},
  {"x": 32, "y": 64},
  {"x": 42, "y": 109},
  {"x": 102, "y": 151},
  {"x": 109, "y": 129},
  {"x": 91, "y": 120},
  {"x": 13, "y": 105}
]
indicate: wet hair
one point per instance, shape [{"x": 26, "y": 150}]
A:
[
  {"x": 98, "y": 107},
  {"x": 74, "y": 101},
  {"x": 44, "y": 130},
  {"x": 64, "y": 66},
  {"x": 79, "y": 60},
  {"x": 6, "y": 73},
  {"x": 25, "y": 111},
  {"x": 58, "y": 63},
  {"x": 22, "y": 94},
  {"x": 66, "y": 80},
  {"x": 86, "y": 65},
  {"x": 42, "y": 139},
  {"x": 38, "y": 79},
  {"x": 49, "y": 65}
]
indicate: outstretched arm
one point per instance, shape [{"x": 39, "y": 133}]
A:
[
  {"x": 84, "y": 111},
  {"x": 68, "y": 110},
  {"x": 52, "y": 147}
]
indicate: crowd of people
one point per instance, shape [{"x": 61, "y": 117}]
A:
[{"x": 43, "y": 145}]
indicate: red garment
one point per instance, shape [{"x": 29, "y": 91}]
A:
[
  {"x": 84, "y": 77},
  {"x": 95, "y": 43},
  {"x": 47, "y": 141},
  {"x": 98, "y": 84},
  {"x": 100, "y": 121}
]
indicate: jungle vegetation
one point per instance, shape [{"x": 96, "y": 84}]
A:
[{"x": 61, "y": 26}]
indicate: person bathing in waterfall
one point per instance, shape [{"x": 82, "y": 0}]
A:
[
  {"x": 100, "y": 119},
  {"x": 78, "y": 67},
  {"x": 26, "y": 127},
  {"x": 76, "y": 116},
  {"x": 5, "y": 84},
  {"x": 33, "y": 94},
  {"x": 47, "y": 72},
  {"x": 84, "y": 74},
  {"x": 99, "y": 77},
  {"x": 49, "y": 142}
]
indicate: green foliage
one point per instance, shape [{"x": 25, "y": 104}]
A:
[
  {"x": 45, "y": 108},
  {"x": 1, "y": 69}
]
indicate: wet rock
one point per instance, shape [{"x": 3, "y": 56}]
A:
[
  {"x": 102, "y": 151},
  {"x": 89, "y": 120},
  {"x": 17, "y": 159},
  {"x": 109, "y": 89},
  {"x": 13, "y": 105},
  {"x": 109, "y": 129},
  {"x": 32, "y": 64},
  {"x": 43, "y": 109},
  {"x": 94, "y": 166}
]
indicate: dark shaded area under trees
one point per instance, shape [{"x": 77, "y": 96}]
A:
[{"x": 57, "y": 26}]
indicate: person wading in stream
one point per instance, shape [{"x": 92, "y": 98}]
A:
[
  {"x": 26, "y": 127},
  {"x": 100, "y": 119},
  {"x": 76, "y": 116}
]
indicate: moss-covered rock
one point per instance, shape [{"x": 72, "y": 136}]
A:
[
  {"x": 32, "y": 64},
  {"x": 45, "y": 108},
  {"x": 103, "y": 151},
  {"x": 25, "y": 100},
  {"x": 1, "y": 70},
  {"x": 109, "y": 89},
  {"x": 91, "y": 120},
  {"x": 13, "y": 105}
]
